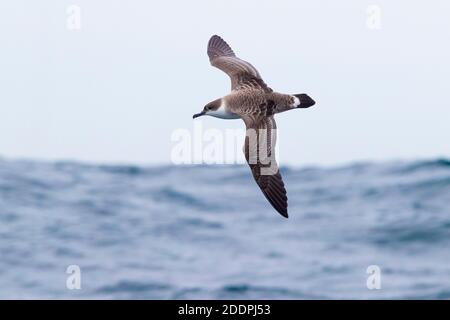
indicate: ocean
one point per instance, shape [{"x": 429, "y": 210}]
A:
[{"x": 207, "y": 232}]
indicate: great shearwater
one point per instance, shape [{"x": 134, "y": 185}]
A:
[{"x": 256, "y": 104}]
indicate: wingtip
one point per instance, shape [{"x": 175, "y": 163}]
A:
[
  {"x": 284, "y": 214},
  {"x": 217, "y": 46},
  {"x": 283, "y": 211},
  {"x": 215, "y": 36}
]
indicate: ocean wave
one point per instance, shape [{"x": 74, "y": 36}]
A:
[
  {"x": 425, "y": 165},
  {"x": 173, "y": 196},
  {"x": 422, "y": 234},
  {"x": 196, "y": 232},
  {"x": 236, "y": 291}
]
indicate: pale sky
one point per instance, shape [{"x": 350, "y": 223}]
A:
[{"x": 115, "y": 90}]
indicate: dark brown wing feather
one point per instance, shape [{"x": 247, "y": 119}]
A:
[
  {"x": 261, "y": 136},
  {"x": 242, "y": 74}
]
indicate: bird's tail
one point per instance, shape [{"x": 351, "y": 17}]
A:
[{"x": 304, "y": 100}]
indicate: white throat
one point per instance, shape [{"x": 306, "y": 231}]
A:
[{"x": 222, "y": 112}]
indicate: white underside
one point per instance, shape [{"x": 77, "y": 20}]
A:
[
  {"x": 296, "y": 102},
  {"x": 222, "y": 113}
]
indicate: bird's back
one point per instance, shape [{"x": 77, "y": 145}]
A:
[{"x": 250, "y": 101}]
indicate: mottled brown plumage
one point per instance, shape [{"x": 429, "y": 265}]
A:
[{"x": 256, "y": 104}]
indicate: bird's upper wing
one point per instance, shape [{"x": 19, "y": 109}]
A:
[
  {"x": 259, "y": 152},
  {"x": 242, "y": 74}
]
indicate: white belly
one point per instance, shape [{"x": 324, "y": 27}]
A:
[{"x": 223, "y": 113}]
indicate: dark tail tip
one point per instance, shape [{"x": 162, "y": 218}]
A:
[{"x": 305, "y": 100}]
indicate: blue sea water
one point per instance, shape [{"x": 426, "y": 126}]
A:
[{"x": 197, "y": 232}]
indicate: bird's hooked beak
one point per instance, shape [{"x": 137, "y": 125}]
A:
[{"x": 198, "y": 114}]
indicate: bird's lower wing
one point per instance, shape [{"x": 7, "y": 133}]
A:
[{"x": 259, "y": 150}]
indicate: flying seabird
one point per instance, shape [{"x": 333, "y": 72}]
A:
[{"x": 256, "y": 104}]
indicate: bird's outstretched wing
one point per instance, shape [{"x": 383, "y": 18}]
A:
[
  {"x": 259, "y": 152},
  {"x": 242, "y": 74}
]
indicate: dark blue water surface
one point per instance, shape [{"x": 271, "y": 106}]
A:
[{"x": 207, "y": 231}]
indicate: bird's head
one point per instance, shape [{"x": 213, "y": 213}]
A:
[{"x": 210, "y": 108}]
